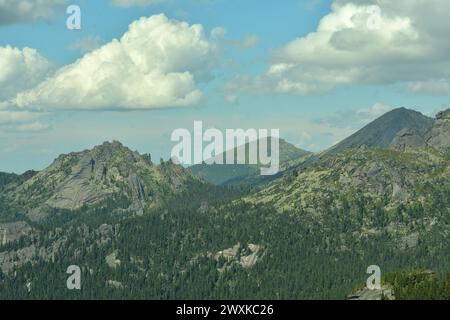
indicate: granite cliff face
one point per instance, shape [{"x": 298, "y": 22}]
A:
[
  {"x": 407, "y": 139},
  {"x": 11, "y": 232},
  {"x": 438, "y": 137},
  {"x": 109, "y": 172}
]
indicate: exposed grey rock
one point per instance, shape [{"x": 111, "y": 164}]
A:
[
  {"x": 13, "y": 259},
  {"x": 9, "y": 260},
  {"x": 406, "y": 139},
  {"x": 439, "y": 136},
  {"x": 10, "y": 232},
  {"x": 443, "y": 115},
  {"x": 246, "y": 257},
  {"x": 229, "y": 253},
  {"x": 400, "y": 193},
  {"x": 381, "y": 132},
  {"x": 112, "y": 261},
  {"x": 90, "y": 178},
  {"x": 250, "y": 260},
  {"x": 114, "y": 284},
  {"x": 365, "y": 294},
  {"x": 409, "y": 241}
]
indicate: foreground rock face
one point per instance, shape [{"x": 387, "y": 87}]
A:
[
  {"x": 439, "y": 136},
  {"x": 385, "y": 293},
  {"x": 112, "y": 260},
  {"x": 406, "y": 139},
  {"x": 245, "y": 256},
  {"x": 10, "y": 232}
]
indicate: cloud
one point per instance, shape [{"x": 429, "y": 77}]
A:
[
  {"x": 133, "y": 3},
  {"x": 157, "y": 63},
  {"x": 231, "y": 99},
  {"x": 19, "y": 11},
  {"x": 22, "y": 121},
  {"x": 218, "y": 33},
  {"x": 14, "y": 120},
  {"x": 32, "y": 127},
  {"x": 250, "y": 41},
  {"x": 439, "y": 87},
  {"x": 87, "y": 44},
  {"x": 21, "y": 69},
  {"x": 406, "y": 41},
  {"x": 9, "y": 117},
  {"x": 371, "y": 113},
  {"x": 355, "y": 118}
]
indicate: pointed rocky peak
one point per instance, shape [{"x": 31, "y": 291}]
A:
[
  {"x": 107, "y": 171},
  {"x": 381, "y": 132},
  {"x": 443, "y": 115},
  {"x": 439, "y": 135}
]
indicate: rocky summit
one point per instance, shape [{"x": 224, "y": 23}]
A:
[
  {"x": 91, "y": 177},
  {"x": 437, "y": 137}
]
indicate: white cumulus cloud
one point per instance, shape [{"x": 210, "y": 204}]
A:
[
  {"x": 437, "y": 87},
  {"x": 353, "y": 44},
  {"x": 22, "y": 121},
  {"x": 20, "y": 69},
  {"x": 157, "y": 63}
]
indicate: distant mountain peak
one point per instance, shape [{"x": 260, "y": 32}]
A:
[
  {"x": 382, "y": 131},
  {"x": 247, "y": 173}
]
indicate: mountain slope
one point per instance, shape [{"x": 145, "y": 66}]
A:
[
  {"x": 379, "y": 133},
  {"x": 109, "y": 172},
  {"x": 386, "y": 178},
  {"x": 12, "y": 178},
  {"x": 439, "y": 136},
  {"x": 248, "y": 174},
  {"x": 383, "y": 130}
]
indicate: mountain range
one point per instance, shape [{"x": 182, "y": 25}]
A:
[{"x": 140, "y": 229}]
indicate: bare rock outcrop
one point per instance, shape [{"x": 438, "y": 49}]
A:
[
  {"x": 112, "y": 261},
  {"x": 10, "y": 232},
  {"x": 385, "y": 293},
  {"x": 439, "y": 136},
  {"x": 407, "y": 139}
]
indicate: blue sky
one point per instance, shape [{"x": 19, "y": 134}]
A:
[{"x": 355, "y": 74}]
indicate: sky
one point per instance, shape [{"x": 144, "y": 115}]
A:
[{"x": 318, "y": 70}]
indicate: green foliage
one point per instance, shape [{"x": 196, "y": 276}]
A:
[
  {"x": 419, "y": 285},
  {"x": 165, "y": 254}
]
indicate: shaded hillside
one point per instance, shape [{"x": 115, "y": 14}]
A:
[
  {"x": 12, "y": 178},
  {"x": 383, "y": 130},
  {"x": 248, "y": 174}
]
